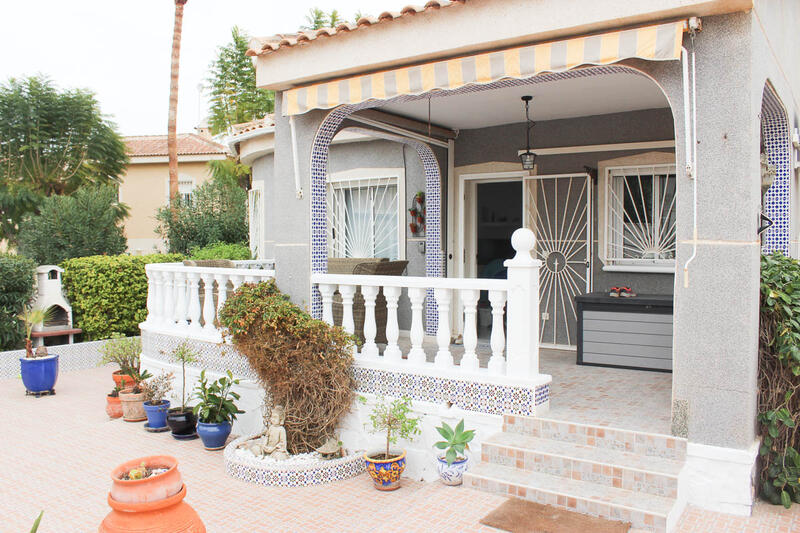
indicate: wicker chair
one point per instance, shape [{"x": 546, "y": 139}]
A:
[{"x": 372, "y": 267}]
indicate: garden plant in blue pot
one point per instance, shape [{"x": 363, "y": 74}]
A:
[
  {"x": 215, "y": 409},
  {"x": 454, "y": 461},
  {"x": 155, "y": 406},
  {"x": 385, "y": 466},
  {"x": 38, "y": 369},
  {"x": 181, "y": 420}
]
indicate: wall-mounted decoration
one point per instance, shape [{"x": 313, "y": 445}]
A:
[{"x": 417, "y": 213}]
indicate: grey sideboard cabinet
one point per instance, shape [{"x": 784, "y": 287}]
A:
[{"x": 633, "y": 332}]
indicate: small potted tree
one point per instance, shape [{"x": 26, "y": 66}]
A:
[
  {"x": 39, "y": 370},
  {"x": 124, "y": 352},
  {"x": 215, "y": 409},
  {"x": 454, "y": 461},
  {"x": 386, "y": 464},
  {"x": 155, "y": 406},
  {"x": 132, "y": 399},
  {"x": 181, "y": 420}
]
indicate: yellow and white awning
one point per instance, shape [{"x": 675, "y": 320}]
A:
[{"x": 656, "y": 43}]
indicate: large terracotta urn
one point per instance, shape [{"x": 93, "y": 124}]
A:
[{"x": 153, "y": 504}]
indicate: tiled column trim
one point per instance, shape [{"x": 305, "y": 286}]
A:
[{"x": 777, "y": 201}]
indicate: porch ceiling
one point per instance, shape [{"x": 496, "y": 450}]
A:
[{"x": 612, "y": 91}]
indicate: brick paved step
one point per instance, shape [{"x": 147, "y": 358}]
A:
[
  {"x": 623, "y": 440},
  {"x": 625, "y": 470},
  {"x": 646, "y": 512}
]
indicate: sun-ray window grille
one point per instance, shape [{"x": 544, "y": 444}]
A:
[
  {"x": 364, "y": 218},
  {"x": 640, "y": 215}
]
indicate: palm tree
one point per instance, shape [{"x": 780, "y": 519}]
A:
[{"x": 172, "y": 136}]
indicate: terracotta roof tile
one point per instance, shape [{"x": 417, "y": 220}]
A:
[
  {"x": 259, "y": 123},
  {"x": 265, "y": 45},
  {"x": 156, "y": 145}
]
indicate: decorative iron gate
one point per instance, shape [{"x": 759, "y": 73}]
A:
[{"x": 558, "y": 210}]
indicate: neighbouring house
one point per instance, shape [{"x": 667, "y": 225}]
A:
[
  {"x": 657, "y": 151},
  {"x": 145, "y": 185}
]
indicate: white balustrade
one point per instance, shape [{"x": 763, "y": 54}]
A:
[
  {"x": 181, "y": 299},
  {"x": 513, "y": 340}
]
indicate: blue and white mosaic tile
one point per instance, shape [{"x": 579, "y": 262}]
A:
[{"x": 777, "y": 201}]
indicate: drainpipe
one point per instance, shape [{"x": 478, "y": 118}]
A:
[
  {"x": 295, "y": 161},
  {"x": 691, "y": 141}
]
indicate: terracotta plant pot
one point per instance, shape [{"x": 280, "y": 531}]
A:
[
  {"x": 386, "y": 472},
  {"x": 119, "y": 376},
  {"x": 153, "y": 504},
  {"x": 132, "y": 406},
  {"x": 113, "y": 406}
]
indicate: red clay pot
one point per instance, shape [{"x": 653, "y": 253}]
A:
[
  {"x": 150, "y": 489},
  {"x": 170, "y": 515},
  {"x": 118, "y": 376},
  {"x": 113, "y": 406}
]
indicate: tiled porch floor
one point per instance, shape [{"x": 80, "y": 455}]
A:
[
  {"x": 56, "y": 454},
  {"x": 626, "y": 399}
]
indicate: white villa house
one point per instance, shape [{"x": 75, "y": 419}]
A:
[{"x": 655, "y": 128}]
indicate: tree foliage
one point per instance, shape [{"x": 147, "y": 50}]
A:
[
  {"x": 216, "y": 212},
  {"x": 317, "y": 18},
  {"x": 234, "y": 96},
  {"x": 51, "y": 142},
  {"x": 16, "y": 290},
  {"x": 87, "y": 222}
]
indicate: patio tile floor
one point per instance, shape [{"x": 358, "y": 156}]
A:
[{"x": 57, "y": 452}]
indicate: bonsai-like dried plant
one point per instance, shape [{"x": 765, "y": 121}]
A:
[
  {"x": 393, "y": 418},
  {"x": 31, "y": 318},
  {"x": 124, "y": 352},
  {"x": 303, "y": 363},
  {"x": 156, "y": 388},
  {"x": 184, "y": 354}
]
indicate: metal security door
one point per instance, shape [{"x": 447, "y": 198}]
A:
[{"x": 558, "y": 210}]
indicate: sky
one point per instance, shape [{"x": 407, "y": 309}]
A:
[{"x": 120, "y": 49}]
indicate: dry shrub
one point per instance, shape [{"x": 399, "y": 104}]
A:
[{"x": 303, "y": 363}]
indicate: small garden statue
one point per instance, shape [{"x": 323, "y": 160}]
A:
[{"x": 272, "y": 442}]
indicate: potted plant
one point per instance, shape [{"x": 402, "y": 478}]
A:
[
  {"x": 386, "y": 464},
  {"x": 181, "y": 420},
  {"x": 39, "y": 370},
  {"x": 132, "y": 399},
  {"x": 124, "y": 352},
  {"x": 454, "y": 461},
  {"x": 155, "y": 406},
  {"x": 113, "y": 405},
  {"x": 147, "y": 495},
  {"x": 215, "y": 409}
]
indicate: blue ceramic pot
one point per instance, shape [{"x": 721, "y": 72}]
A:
[
  {"x": 386, "y": 472},
  {"x": 451, "y": 474},
  {"x": 156, "y": 414},
  {"x": 39, "y": 374},
  {"x": 214, "y": 435}
]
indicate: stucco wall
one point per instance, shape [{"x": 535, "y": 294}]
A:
[{"x": 145, "y": 188}]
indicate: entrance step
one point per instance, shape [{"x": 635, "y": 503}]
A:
[
  {"x": 625, "y": 470},
  {"x": 645, "y": 444},
  {"x": 644, "y": 511},
  {"x": 607, "y": 472}
]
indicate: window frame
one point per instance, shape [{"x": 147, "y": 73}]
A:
[{"x": 620, "y": 264}]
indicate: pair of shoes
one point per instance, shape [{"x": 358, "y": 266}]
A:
[{"x": 625, "y": 292}]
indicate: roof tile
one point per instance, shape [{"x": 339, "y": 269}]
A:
[{"x": 156, "y": 145}]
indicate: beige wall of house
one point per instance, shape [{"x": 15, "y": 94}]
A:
[{"x": 145, "y": 188}]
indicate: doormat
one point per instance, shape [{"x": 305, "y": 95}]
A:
[{"x": 522, "y": 516}]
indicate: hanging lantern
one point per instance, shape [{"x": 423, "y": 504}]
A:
[{"x": 527, "y": 157}]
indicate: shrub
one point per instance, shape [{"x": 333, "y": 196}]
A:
[
  {"x": 779, "y": 379},
  {"x": 108, "y": 294},
  {"x": 88, "y": 222},
  {"x": 222, "y": 250},
  {"x": 216, "y": 212},
  {"x": 303, "y": 363},
  {"x": 16, "y": 290}
]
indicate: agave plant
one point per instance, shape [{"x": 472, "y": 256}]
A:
[
  {"x": 456, "y": 440},
  {"x": 33, "y": 317}
]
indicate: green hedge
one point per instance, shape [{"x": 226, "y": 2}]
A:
[
  {"x": 16, "y": 290},
  {"x": 221, "y": 250},
  {"x": 108, "y": 294}
]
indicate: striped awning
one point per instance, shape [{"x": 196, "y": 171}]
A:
[{"x": 657, "y": 43}]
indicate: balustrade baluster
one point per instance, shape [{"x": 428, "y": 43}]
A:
[
  {"x": 497, "y": 340},
  {"x": 151, "y": 298},
  {"x": 469, "y": 362},
  {"x": 417, "y": 354},
  {"x": 347, "y": 292},
  {"x": 236, "y": 280},
  {"x": 158, "y": 288},
  {"x": 370, "y": 349},
  {"x": 209, "y": 314},
  {"x": 180, "y": 299},
  {"x": 326, "y": 290},
  {"x": 392, "y": 351},
  {"x": 444, "y": 359},
  {"x": 193, "y": 286},
  {"x": 169, "y": 297},
  {"x": 222, "y": 290}
]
